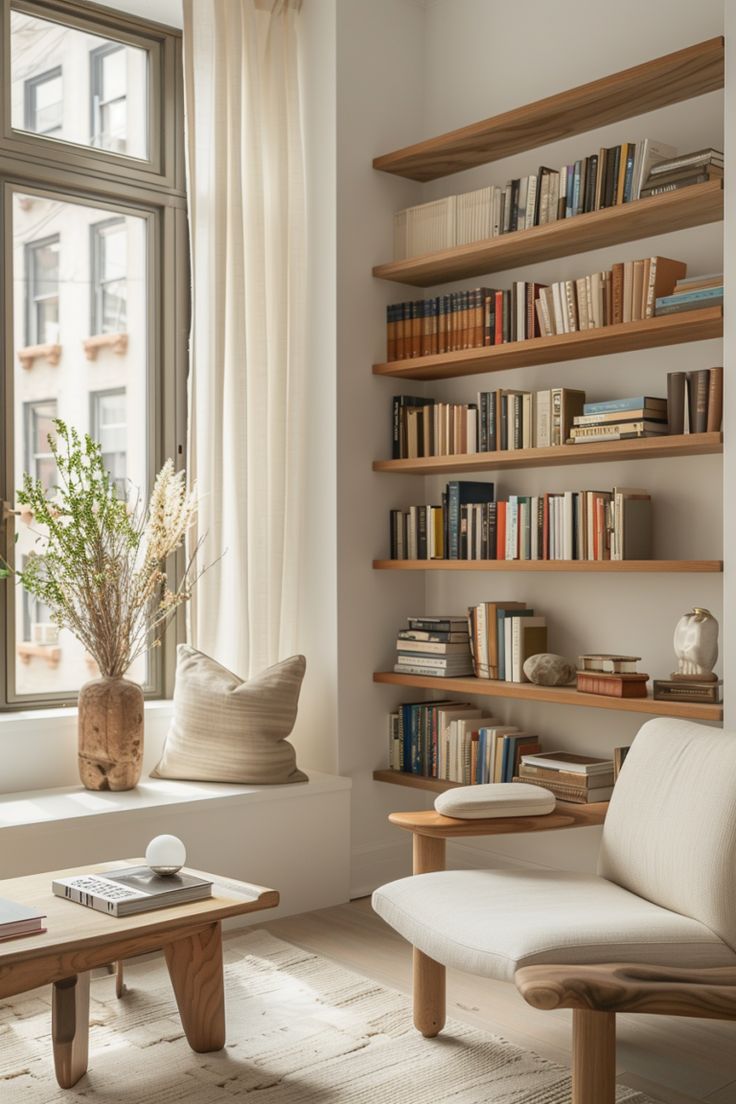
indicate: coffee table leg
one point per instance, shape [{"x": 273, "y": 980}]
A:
[
  {"x": 70, "y": 1028},
  {"x": 195, "y": 969}
]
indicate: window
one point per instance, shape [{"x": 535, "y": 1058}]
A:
[
  {"x": 44, "y": 104},
  {"x": 109, "y": 271},
  {"x": 42, "y": 291},
  {"x": 94, "y": 237},
  {"x": 108, "y": 84},
  {"x": 38, "y": 427},
  {"x": 109, "y": 426},
  {"x": 109, "y": 104}
]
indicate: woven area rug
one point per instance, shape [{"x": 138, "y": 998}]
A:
[{"x": 301, "y": 1030}]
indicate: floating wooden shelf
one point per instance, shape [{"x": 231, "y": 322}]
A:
[
  {"x": 601, "y": 452},
  {"x": 669, "y": 329},
  {"x": 583, "y": 567},
  {"x": 630, "y": 92},
  {"x": 414, "y": 781},
  {"x": 566, "y": 695},
  {"x": 661, "y": 214}
]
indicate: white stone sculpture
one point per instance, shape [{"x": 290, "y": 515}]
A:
[{"x": 696, "y": 645}]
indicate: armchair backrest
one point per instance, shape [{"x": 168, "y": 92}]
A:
[{"x": 670, "y": 832}]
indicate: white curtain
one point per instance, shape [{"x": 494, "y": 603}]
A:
[{"x": 248, "y": 225}]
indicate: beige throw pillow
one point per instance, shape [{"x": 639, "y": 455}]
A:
[{"x": 228, "y": 730}]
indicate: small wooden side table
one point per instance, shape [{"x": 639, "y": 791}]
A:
[{"x": 79, "y": 939}]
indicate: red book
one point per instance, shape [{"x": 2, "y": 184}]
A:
[
  {"x": 501, "y": 530},
  {"x": 498, "y": 335}
]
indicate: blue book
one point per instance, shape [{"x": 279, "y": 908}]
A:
[
  {"x": 611, "y": 406},
  {"x": 690, "y": 297}
]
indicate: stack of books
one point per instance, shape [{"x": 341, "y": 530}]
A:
[
  {"x": 620, "y": 420},
  {"x": 695, "y": 397},
  {"x": 567, "y": 525},
  {"x": 628, "y": 292},
  {"x": 683, "y": 170},
  {"x": 607, "y": 177},
  {"x": 502, "y": 637},
  {"x": 435, "y": 646},
  {"x": 612, "y": 676},
  {"x": 455, "y": 742},
  {"x": 570, "y": 777},
  {"x": 687, "y": 690},
  {"x": 692, "y": 294},
  {"x": 18, "y": 920}
]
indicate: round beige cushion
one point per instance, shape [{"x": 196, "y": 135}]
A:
[{"x": 495, "y": 799}]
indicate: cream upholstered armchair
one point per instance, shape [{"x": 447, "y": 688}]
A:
[{"x": 653, "y": 931}]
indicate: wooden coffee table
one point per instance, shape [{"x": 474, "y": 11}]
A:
[{"x": 79, "y": 939}]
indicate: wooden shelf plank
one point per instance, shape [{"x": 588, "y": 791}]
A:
[
  {"x": 583, "y": 567},
  {"x": 566, "y": 695},
  {"x": 414, "y": 781},
  {"x": 428, "y": 822},
  {"x": 661, "y": 214},
  {"x": 600, "y": 452},
  {"x": 669, "y": 329},
  {"x": 664, "y": 80}
]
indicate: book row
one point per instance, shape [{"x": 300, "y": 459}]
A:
[
  {"x": 630, "y": 291},
  {"x": 454, "y": 742},
  {"x": 568, "y": 525},
  {"x": 508, "y": 420},
  {"x": 606, "y": 178}
]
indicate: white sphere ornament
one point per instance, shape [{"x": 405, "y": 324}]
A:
[{"x": 166, "y": 855}]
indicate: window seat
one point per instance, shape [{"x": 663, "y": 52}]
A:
[
  {"x": 293, "y": 838},
  {"x": 74, "y": 802}
]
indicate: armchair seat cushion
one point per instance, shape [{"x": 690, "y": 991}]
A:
[{"x": 492, "y": 922}]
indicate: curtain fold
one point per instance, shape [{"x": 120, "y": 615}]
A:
[{"x": 247, "y": 211}]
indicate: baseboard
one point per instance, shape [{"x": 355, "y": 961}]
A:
[{"x": 373, "y": 865}]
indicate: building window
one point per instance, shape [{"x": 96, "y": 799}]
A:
[
  {"x": 42, "y": 291},
  {"x": 108, "y": 85},
  {"x": 35, "y": 615},
  {"x": 109, "y": 274},
  {"x": 93, "y": 244},
  {"x": 43, "y": 103},
  {"x": 39, "y": 426},
  {"x": 109, "y": 426}
]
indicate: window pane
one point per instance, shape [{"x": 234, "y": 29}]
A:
[
  {"x": 58, "y": 247},
  {"x": 103, "y": 102}
]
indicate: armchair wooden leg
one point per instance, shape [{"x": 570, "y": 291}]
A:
[
  {"x": 428, "y": 854},
  {"x": 429, "y": 995},
  {"x": 593, "y": 1057}
]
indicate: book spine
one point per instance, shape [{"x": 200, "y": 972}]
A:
[
  {"x": 676, "y": 402},
  {"x": 715, "y": 400}
]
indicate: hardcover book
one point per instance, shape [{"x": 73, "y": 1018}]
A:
[{"x": 132, "y": 890}]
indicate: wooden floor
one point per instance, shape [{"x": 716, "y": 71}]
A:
[{"x": 676, "y": 1061}]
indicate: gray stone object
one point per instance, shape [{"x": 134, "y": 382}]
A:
[{"x": 547, "y": 669}]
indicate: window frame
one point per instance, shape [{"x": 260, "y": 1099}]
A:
[
  {"x": 98, "y": 232},
  {"x": 46, "y": 167},
  {"x": 30, "y": 86},
  {"x": 30, "y": 313},
  {"x": 164, "y": 167}
]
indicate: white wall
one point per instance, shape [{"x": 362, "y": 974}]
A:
[
  {"x": 380, "y": 73},
  {"x": 472, "y": 66}
]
